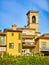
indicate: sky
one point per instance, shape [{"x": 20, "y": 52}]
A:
[{"x": 14, "y": 12}]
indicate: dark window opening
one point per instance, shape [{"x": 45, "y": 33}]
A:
[
  {"x": 19, "y": 48},
  {"x": 33, "y": 19},
  {"x": 11, "y": 45},
  {"x": 12, "y": 34},
  {"x": 19, "y": 36}
]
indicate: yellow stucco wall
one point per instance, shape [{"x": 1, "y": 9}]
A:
[
  {"x": 28, "y": 32},
  {"x": 39, "y": 44},
  {"x": 13, "y": 39},
  {"x": 44, "y": 40}
]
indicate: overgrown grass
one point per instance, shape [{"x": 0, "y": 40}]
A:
[{"x": 24, "y": 60}]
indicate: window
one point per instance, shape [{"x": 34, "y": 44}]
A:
[
  {"x": 30, "y": 50},
  {"x": 31, "y": 41},
  {"x": 23, "y": 33},
  {"x": 33, "y": 19},
  {"x": 43, "y": 45},
  {"x": 19, "y": 36},
  {"x": 11, "y": 45},
  {"x": 23, "y": 42},
  {"x": 30, "y": 33},
  {"x": 19, "y": 48},
  {"x": 12, "y": 34},
  {"x": 38, "y": 35},
  {"x": 2, "y": 40},
  {"x": 26, "y": 41},
  {"x": 24, "y": 51}
]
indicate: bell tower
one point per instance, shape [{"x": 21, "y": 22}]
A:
[{"x": 32, "y": 17}]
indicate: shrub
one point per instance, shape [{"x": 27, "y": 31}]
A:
[{"x": 24, "y": 60}]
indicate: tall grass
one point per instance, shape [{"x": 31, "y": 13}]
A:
[{"x": 24, "y": 60}]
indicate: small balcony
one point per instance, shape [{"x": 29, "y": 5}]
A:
[
  {"x": 44, "y": 49},
  {"x": 28, "y": 45},
  {"x": 2, "y": 48},
  {"x": 27, "y": 36}
]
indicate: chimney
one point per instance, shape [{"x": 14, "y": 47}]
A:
[{"x": 13, "y": 27}]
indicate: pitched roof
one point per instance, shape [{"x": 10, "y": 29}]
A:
[
  {"x": 17, "y": 29},
  {"x": 44, "y": 36},
  {"x": 31, "y": 12},
  {"x": 2, "y": 34},
  {"x": 11, "y": 30}
]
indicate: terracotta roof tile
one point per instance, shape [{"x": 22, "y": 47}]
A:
[
  {"x": 17, "y": 29},
  {"x": 44, "y": 36},
  {"x": 2, "y": 34},
  {"x": 11, "y": 30}
]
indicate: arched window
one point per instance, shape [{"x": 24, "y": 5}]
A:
[{"x": 33, "y": 19}]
